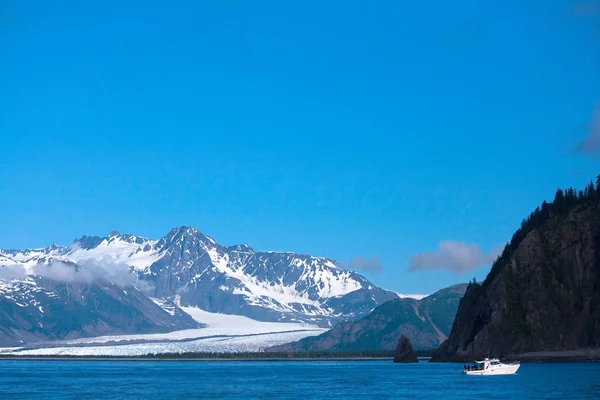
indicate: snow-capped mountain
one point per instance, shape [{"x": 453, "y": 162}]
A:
[
  {"x": 38, "y": 310},
  {"x": 189, "y": 268}
]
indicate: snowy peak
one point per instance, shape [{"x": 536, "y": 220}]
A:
[
  {"x": 185, "y": 263},
  {"x": 31, "y": 254},
  {"x": 127, "y": 238},
  {"x": 91, "y": 242},
  {"x": 268, "y": 286},
  {"x": 134, "y": 251},
  {"x": 187, "y": 233},
  {"x": 187, "y": 238},
  {"x": 241, "y": 248},
  {"x": 184, "y": 234},
  {"x": 87, "y": 242}
]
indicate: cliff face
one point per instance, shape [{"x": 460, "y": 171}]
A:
[
  {"x": 543, "y": 294},
  {"x": 404, "y": 351}
]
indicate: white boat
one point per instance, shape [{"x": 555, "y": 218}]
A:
[{"x": 491, "y": 366}]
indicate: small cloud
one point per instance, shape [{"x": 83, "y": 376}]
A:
[
  {"x": 12, "y": 272},
  {"x": 66, "y": 271},
  {"x": 62, "y": 272},
  {"x": 497, "y": 251},
  {"x": 372, "y": 264},
  {"x": 575, "y": 173},
  {"x": 456, "y": 257},
  {"x": 83, "y": 272},
  {"x": 108, "y": 270},
  {"x": 183, "y": 289},
  {"x": 590, "y": 145}
]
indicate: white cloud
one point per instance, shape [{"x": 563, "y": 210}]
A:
[
  {"x": 65, "y": 271},
  {"x": 457, "y": 257},
  {"x": 590, "y": 145},
  {"x": 372, "y": 264},
  {"x": 62, "y": 272},
  {"x": 12, "y": 272}
]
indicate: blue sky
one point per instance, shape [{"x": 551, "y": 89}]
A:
[{"x": 345, "y": 129}]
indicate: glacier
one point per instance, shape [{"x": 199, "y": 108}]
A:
[{"x": 222, "y": 334}]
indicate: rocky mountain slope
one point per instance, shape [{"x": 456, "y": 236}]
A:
[
  {"x": 44, "y": 310},
  {"x": 543, "y": 293},
  {"x": 267, "y": 286},
  {"x": 183, "y": 268},
  {"x": 425, "y": 322}
]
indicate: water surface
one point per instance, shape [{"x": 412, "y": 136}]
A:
[{"x": 287, "y": 380}]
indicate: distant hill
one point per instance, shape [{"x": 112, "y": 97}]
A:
[
  {"x": 425, "y": 322},
  {"x": 543, "y": 293}
]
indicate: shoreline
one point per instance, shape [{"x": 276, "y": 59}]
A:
[
  {"x": 562, "y": 356},
  {"x": 365, "y": 355},
  {"x": 524, "y": 359},
  {"x": 579, "y": 355},
  {"x": 171, "y": 359},
  {"x": 549, "y": 356}
]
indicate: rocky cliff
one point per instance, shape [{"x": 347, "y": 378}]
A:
[
  {"x": 543, "y": 293},
  {"x": 404, "y": 351}
]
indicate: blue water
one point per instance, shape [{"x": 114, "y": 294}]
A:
[{"x": 288, "y": 380}]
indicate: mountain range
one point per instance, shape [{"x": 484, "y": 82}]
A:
[
  {"x": 426, "y": 322},
  {"x": 124, "y": 283}
]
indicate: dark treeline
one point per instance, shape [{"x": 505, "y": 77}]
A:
[
  {"x": 282, "y": 355},
  {"x": 252, "y": 355},
  {"x": 564, "y": 201}
]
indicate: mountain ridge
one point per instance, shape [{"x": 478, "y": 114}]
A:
[
  {"x": 44, "y": 310},
  {"x": 426, "y": 322},
  {"x": 193, "y": 268}
]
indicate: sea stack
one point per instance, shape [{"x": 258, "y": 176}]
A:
[{"x": 404, "y": 351}]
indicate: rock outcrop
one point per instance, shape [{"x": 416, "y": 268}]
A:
[
  {"x": 543, "y": 293},
  {"x": 404, "y": 351}
]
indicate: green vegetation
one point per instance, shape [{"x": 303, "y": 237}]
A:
[
  {"x": 542, "y": 292},
  {"x": 249, "y": 355},
  {"x": 564, "y": 202}
]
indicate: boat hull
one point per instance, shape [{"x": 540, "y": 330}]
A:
[{"x": 506, "y": 369}]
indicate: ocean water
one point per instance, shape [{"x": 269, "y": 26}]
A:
[{"x": 288, "y": 380}]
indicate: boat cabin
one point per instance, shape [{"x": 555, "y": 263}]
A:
[
  {"x": 483, "y": 365},
  {"x": 491, "y": 367}
]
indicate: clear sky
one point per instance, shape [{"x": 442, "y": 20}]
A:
[{"x": 346, "y": 129}]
